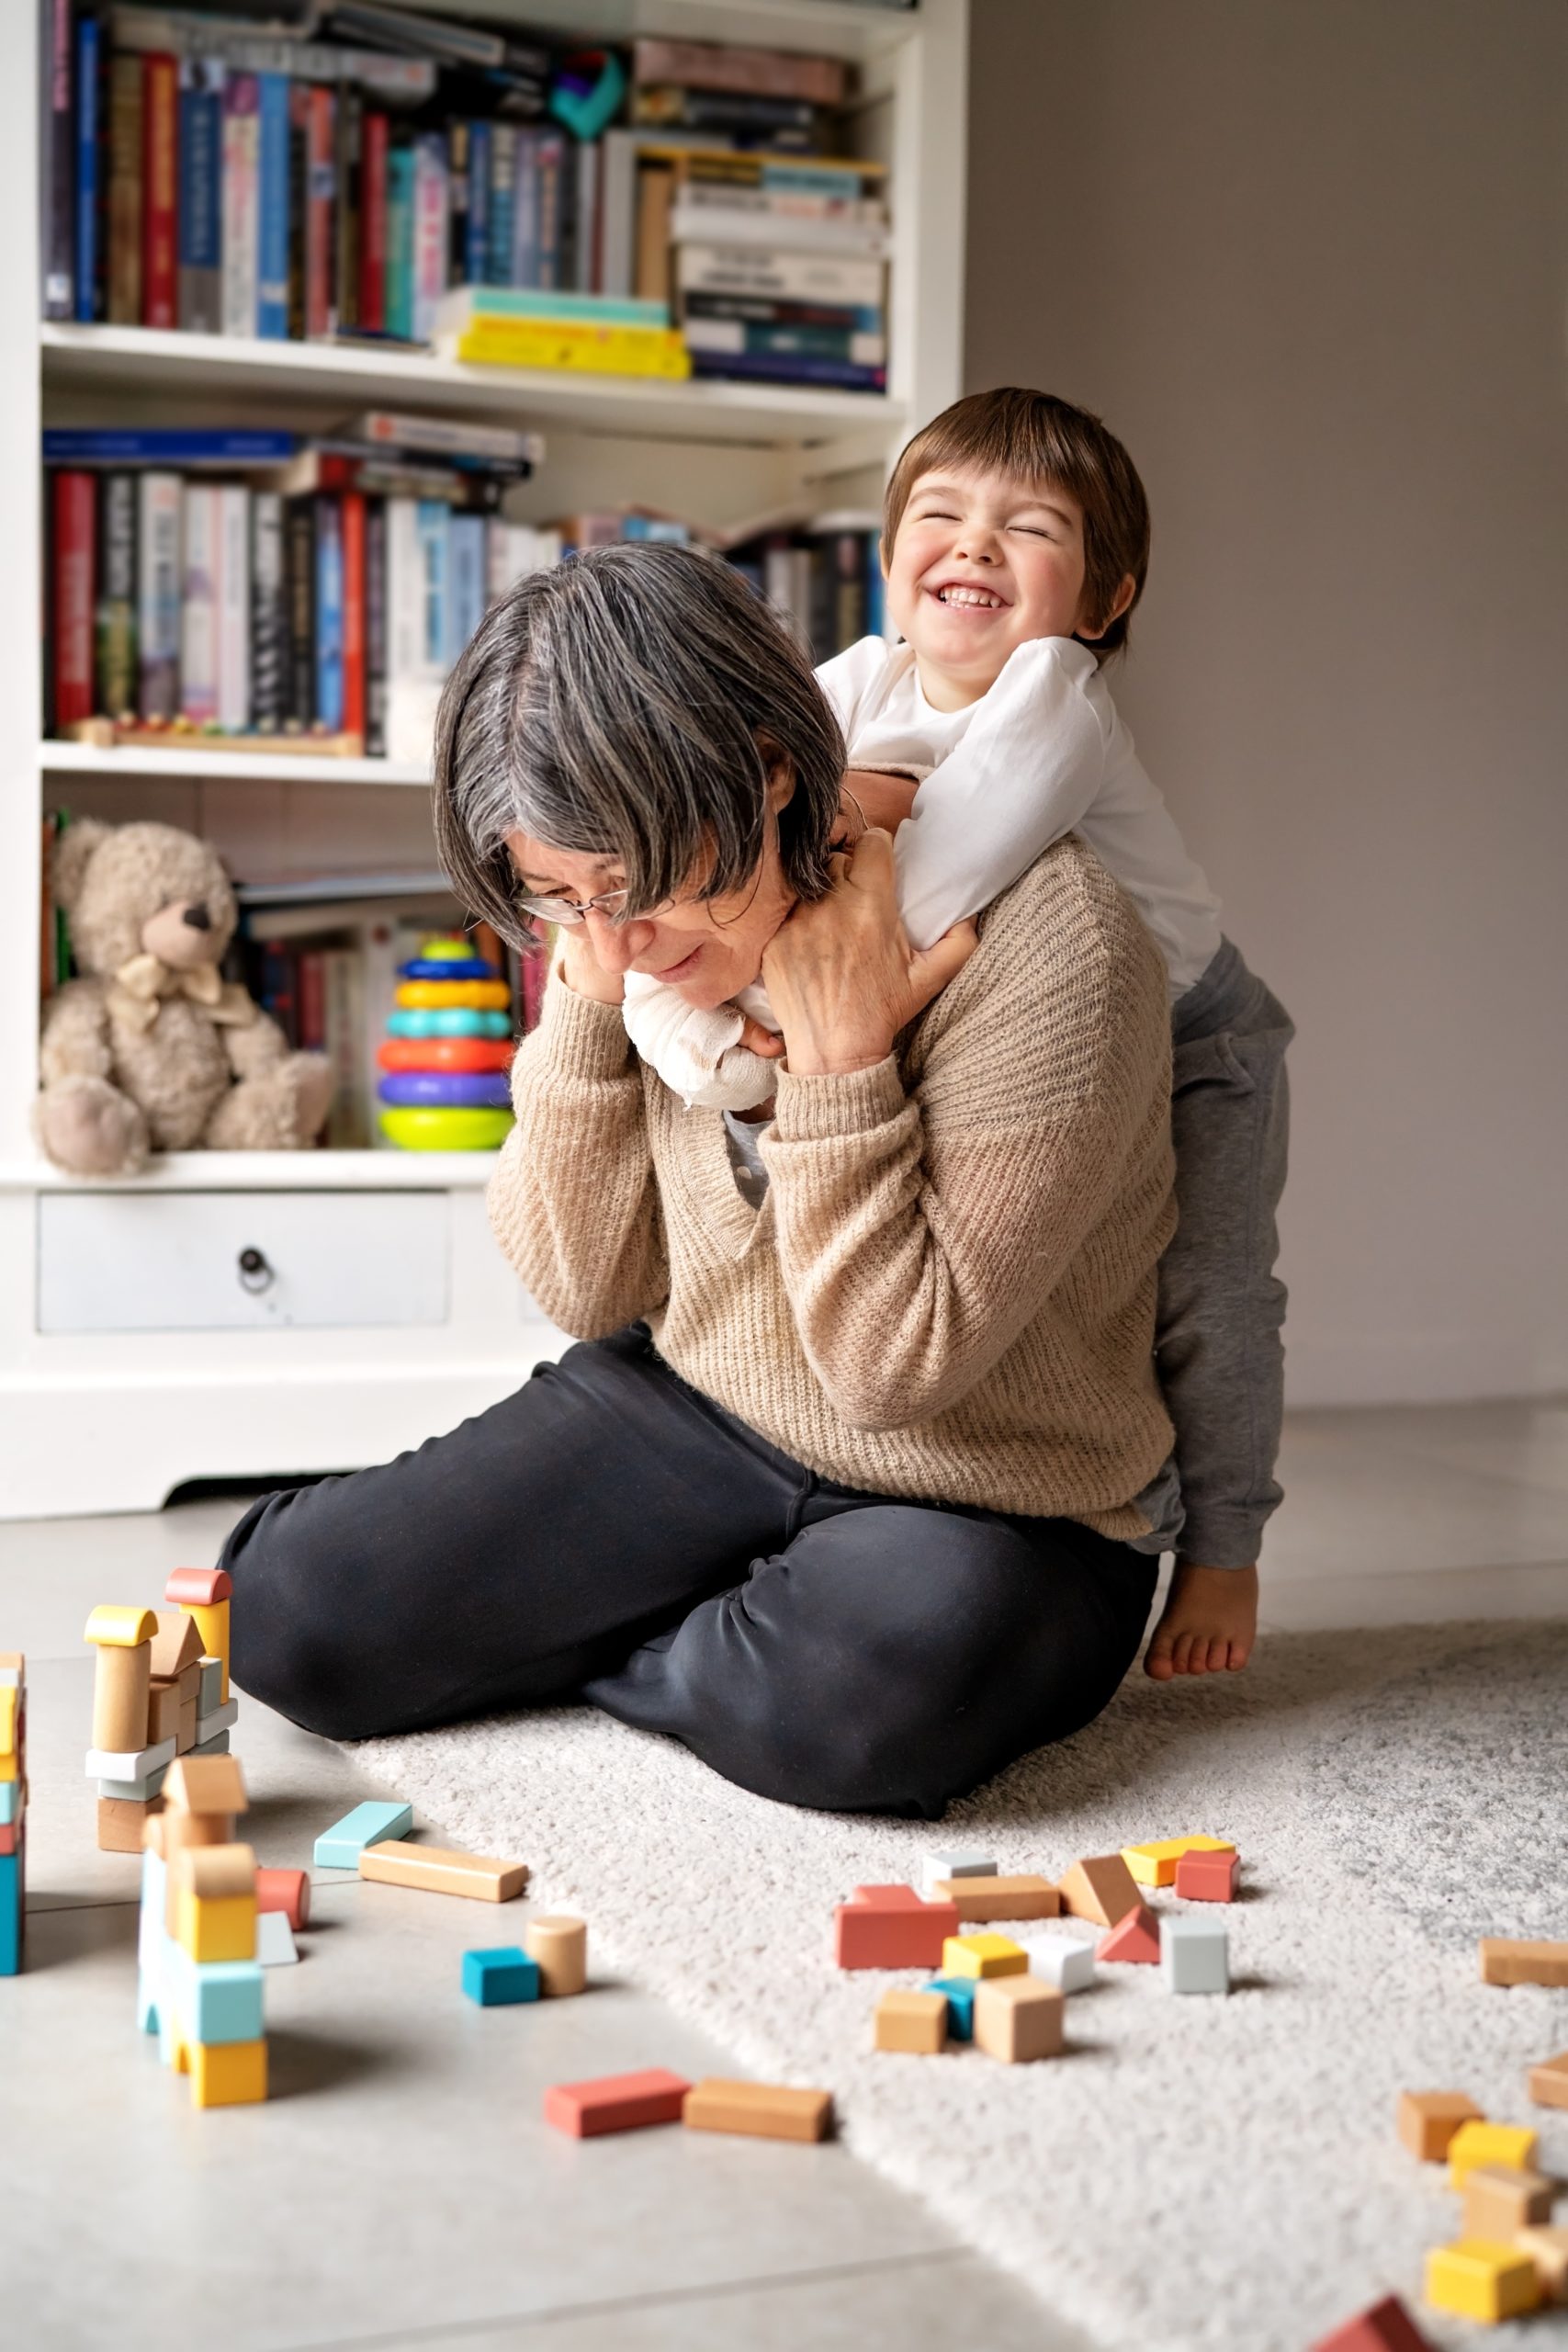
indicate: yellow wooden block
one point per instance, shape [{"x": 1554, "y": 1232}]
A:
[
  {"x": 1155, "y": 1864},
  {"x": 1474, "y": 2144},
  {"x": 7, "y": 1719},
  {"x": 982, "y": 1956},
  {"x": 9, "y": 1768},
  {"x": 227, "y": 2074},
  {"x": 212, "y": 1625},
  {"x": 1482, "y": 2279},
  {"x": 218, "y": 1926},
  {"x": 122, "y": 1629}
]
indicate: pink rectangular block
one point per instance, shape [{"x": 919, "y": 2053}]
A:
[
  {"x": 1207, "y": 1878},
  {"x": 888, "y": 1898},
  {"x": 616, "y": 2102},
  {"x": 875, "y": 1935}
]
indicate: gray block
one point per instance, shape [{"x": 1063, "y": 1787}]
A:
[
  {"x": 935, "y": 1867},
  {"x": 1194, "y": 1955},
  {"x": 1066, "y": 1961},
  {"x": 209, "y": 1694}
]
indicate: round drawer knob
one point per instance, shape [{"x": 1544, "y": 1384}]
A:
[{"x": 255, "y": 1275}]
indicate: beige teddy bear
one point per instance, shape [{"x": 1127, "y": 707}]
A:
[{"x": 153, "y": 1050}]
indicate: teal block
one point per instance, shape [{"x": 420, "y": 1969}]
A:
[
  {"x": 218, "y": 2000},
  {"x": 10, "y": 1801},
  {"x": 10, "y": 1914},
  {"x": 339, "y": 1848},
  {"x": 497, "y": 1978},
  {"x": 959, "y": 1993},
  {"x": 146, "y": 2003}
]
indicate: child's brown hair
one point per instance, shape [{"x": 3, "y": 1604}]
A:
[{"x": 1042, "y": 439}]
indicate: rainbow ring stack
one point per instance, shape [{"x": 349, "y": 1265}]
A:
[{"x": 447, "y": 1052}]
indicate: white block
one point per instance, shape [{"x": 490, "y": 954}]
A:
[
  {"x": 1194, "y": 1954},
  {"x": 1062, "y": 1962},
  {"x": 11, "y": 1677},
  {"x": 276, "y": 1947},
  {"x": 135, "y": 1764},
  {"x": 217, "y": 1746},
  {"x": 216, "y": 1719},
  {"x": 136, "y": 1792},
  {"x": 936, "y": 1866},
  {"x": 211, "y": 1692}
]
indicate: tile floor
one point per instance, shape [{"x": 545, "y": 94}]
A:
[{"x": 399, "y": 2189}]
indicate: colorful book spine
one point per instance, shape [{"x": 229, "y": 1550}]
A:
[
  {"x": 739, "y": 337},
  {"x": 465, "y": 603},
  {"x": 372, "y": 314},
  {"x": 329, "y": 614},
  {"x": 778, "y": 275},
  {"x": 502, "y": 201},
  {"x": 271, "y": 207},
  {"x": 548, "y": 271},
  {"x": 200, "y": 560},
  {"x": 348, "y": 147},
  {"x": 432, "y": 197},
  {"x": 435, "y": 542},
  {"x": 590, "y": 350},
  {"x": 201, "y": 197},
  {"x": 475, "y": 262},
  {"x": 115, "y": 651},
  {"x": 75, "y": 549},
  {"x": 298, "y": 203},
  {"x": 160, "y": 192},
  {"x": 123, "y": 287},
  {"x": 86, "y": 287},
  {"x": 376, "y": 626},
  {"x": 457, "y": 147},
  {"x": 524, "y": 270},
  {"x": 839, "y": 375},
  {"x": 58, "y": 188},
  {"x": 300, "y": 579},
  {"x": 399, "y": 239},
  {"x": 321, "y": 190},
  {"x": 158, "y": 594},
  {"x": 353, "y": 526},
  {"x": 242, "y": 160},
  {"x": 235, "y": 606},
  {"x": 469, "y": 306},
  {"x": 164, "y": 445},
  {"x": 269, "y": 614}
]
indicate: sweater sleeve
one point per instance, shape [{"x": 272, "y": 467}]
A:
[
  {"x": 573, "y": 1199},
  {"x": 919, "y": 1233}
]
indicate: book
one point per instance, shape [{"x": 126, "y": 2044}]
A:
[
  {"x": 116, "y": 664},
  {"x": 456, "y": 200},
  {"x": 465, "y": 601},
  {"x": 299, "y": 205},
  {"x": 563, "y": 345},
  {"x": 74, "y": 552},
  {"x": 376, "y": 628},
  {"x": 299, "y": 590},
  {"x": 475, "y": 263},
  {"x": 328, "y": 692},
  {"x": 840, "y": 374},
  {"x": 57, "y": 189},
  {"x": 353, "y": 513},
  {"x": 431, "y": 231},
  {"x": 781, "y": 276},
  {"x": 467, "y": 307},
  {"x": 199, "y": 561},
  {"x": 712, "y": 65},
  {"x": 771, "y": 339},
  {"x": 371, "y": 311},
  {"x": 271, "y": 207},
  {"x": 253, "y": 49},
  {"x": 320, "y": 192},
  {"x": 399, "y": 239},
  {"x": 85, "y": 289},
  {"x": 441, "y": 436},
  {"x": 123, "y": 289},
  {"x": 234, "y": 712},
  {"x": 665, "y": 106},
  {"x": 502, "y": 145},
  {"x": 618, "y": 213},
  {"x": 698, "y": 222},
  {"x": 200, "y": 224},
  {"x": 242, "y": 159},
  {"x": 525, "y": 267},
  {"x": 759, "y": 310},
  {"x": 166, "y": 444},
  {"x": 270, "y": 699},
  {"x": 158, "y": 594},
  {"x": 160, "y": 259},
  {"x": 435, "y": 544},
  {"x": 348, "y": 127}
]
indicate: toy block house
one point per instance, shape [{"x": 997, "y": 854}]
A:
[
  {"x": 13, "y": 1808},
  {"x": 199, "y": 1979},
  {"x": 160, "y": 1690},
  {"x": 175, "y": 1681}
]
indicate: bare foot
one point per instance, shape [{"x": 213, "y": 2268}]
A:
[{"x": 1208, "y": 1623}]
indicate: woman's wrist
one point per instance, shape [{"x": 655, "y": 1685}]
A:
[{"x": 583, "y": 974}]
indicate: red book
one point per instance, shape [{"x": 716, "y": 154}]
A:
[
  {"x": 160, "y": 259},
  {"x": 75, "y": 505},
  {"x": 319, "y": 188},
  {"x": 312, "y": 1000},
  {"x": 373, "y": 224},
  {"x": 352, "y": 614}
]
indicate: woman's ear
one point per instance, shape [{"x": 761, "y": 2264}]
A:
[{"x": 781, "y": 774}]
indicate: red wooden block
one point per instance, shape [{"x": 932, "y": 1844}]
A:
[
  {"x": 285, "y": 1890},
  {"x": 7, "y": 1836},
  {"x": 1207, "y": 1878},
  {"x": 1134, "y": 1937},
  {"x": 888, "y": 1898},
  {"x": 616, "y": 2102},
  {"x": 198, "y": 1588},
  {"x": 877, "y": 1935},
  {"x": 1387, "y": 2327}
]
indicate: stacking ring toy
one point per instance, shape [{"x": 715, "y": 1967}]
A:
[
  {"x": 448, "y": 967},
  {"x": 444, "y": 1053},
  {"x": 444, "y": 1090},
  {"x": 458, "y": 1024},
  {"x": 442, "y": 996},
  {"x": 446, "y": 1130}
]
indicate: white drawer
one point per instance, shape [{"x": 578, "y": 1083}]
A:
[{"x": 216, "y": 1261}]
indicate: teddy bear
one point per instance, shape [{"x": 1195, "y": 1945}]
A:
[{"x": 151, "y": 1049}]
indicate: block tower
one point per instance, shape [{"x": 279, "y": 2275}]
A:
[
  {"x": 199, "y": 1979},
  {"x": 447, "y": 1052},
  {"x": 160, "y": 1691},
  {"x": 13, "y": 1808}
]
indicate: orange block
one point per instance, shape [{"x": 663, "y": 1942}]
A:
[
  {"x": 617, "y": 2102},
  {"x": 1134, "y": 1937},
  {"x": 1428, "y": 2120},
  {"x": 760, "y": 2110},
  {"x": 882, "y": 1932},
  {"x": 1101, "y": 1888},
  {"x": 1386, "y": 2328}
]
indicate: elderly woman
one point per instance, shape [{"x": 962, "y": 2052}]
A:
[{"x": 842, "y": 1485}]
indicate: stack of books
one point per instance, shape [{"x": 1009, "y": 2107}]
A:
[{"x": 495, "y": 326}]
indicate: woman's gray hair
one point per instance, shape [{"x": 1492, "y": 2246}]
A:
[{"x": 630, "y": 703}]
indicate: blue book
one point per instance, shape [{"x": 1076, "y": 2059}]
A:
[
  {"x": 525, "y": 211},
  {"x": 398, "y": 294},
  {"x": 87, "y": 168},
  {"x": 476, "y": 263},
  {"x": 502, "y": 201},
  {"x": 773, "y": 368},
  {"x": 272, "y": 208},
  {"x": 166, "y": 444},
  {"x": 875, "y": 589},
  {"x": 329, "y": 614},
  {"x": 201, "y": 197},
  {"x": 466, "y": 600},
  {"x": 433, "y": 519}
]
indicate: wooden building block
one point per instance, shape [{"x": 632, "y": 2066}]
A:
[
  {"x": 10, "y": 1800},
  {"x": 227, "y": 2074},
  {"x": 1024, "y": 1897},
  {"x": 1101, "y": 1888},
  {"x": 176, "y": 1646},
  {"x": 958, "y": 1992},
  {"x": 163, "y": 1713},
  {"x": 1549, "y": 2081},
  {"x": 1207, "y": 1878},
  {"x": 121, "y": 1675},
  {"x": 501, "y": 1977},
  {"x": 1017, "y": 2018},
  {"x": 1474, "y": 2144},
  {"x": 1386, "y": 2328},
  {"x": 908, "y": 1934},
  {"x": 218, "y": 2003},
  {"x": 1502, "y": 2199},
  {"x": 1135, "y": 1938},
  {"x": 617, "y": 2102},
  {"x": 205, "y": 1593},
  {"x": 1066, "y": 1961},
  {"x": 937, "y": 1867},
  {"x": 1548, "y": 2249},
  {"x": 1194, "y": 1954},
  {"x": 13, "y": 1669},
  {"x": 120, "y": 1823},
  {"x": 1523, "y": 1960},
  {"x": 11, "y": 1831},
  {"x": 10, "y": 1717},
  {"x": 911, "y": 2021},
  {"x": 13, "y": 1913},
  {"x": 1428, "y": 2120},
  {"x": 372, "y": 1824},
  {"x": 184, "y": 1728},
  {"x": 276, "y": 1947},
  {"x": 127, "y": 1763},
  {"x": 1155, "y": 1864},
  {"x": 560, "y": 1944},
  {"x": 441, "y": 1870},
  {"x": 207, "y": 1784},
  {"x": 285, "y": 1890},
  {"x": 209, "y": 1722},
  {"x": 1481, "y": 2280},
  {"x": 758, "y": 2110},
  {"x": 209, "y": 1685},
  {"x": 215, "y": 1900},
  {"x": 982, "y": 1956},
  {"x": 895, "y": 1897}
]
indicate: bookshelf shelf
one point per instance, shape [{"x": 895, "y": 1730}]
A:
[
  {"x": 270, "y": 1171},
  {"x": 218, "y": 765},
  {"x": 154, "y": 361}
]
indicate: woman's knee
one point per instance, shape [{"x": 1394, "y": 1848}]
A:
[{"x": 297, "y": 1641}]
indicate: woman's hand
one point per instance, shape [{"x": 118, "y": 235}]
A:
[
  {"x": 580, "y": 968},
  {"x": 840, "y": 973},
  {"x": 873, "y": 797}
]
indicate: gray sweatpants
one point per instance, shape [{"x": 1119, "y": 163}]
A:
[{"x": 1221, "y": 1305}]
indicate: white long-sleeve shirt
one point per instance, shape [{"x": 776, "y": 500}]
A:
[{"x": 1043, "y": 752}]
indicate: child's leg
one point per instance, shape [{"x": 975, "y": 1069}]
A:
[{"x": 1221, "y": 1305}]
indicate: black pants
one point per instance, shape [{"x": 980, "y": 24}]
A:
[{"x": 608, "y": 1533}]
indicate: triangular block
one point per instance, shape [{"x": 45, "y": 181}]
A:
[
  {"x": 1101, "y": 1888},
  {"x": 1134, "y": 1937}
]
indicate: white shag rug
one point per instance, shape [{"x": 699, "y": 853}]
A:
[{"x": 1194, "y": 2174}]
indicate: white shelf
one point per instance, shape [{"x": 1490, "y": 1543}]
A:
[
  {"x": 119, "y": 359},
  {"x": 269, "y": 1172},
  {"x": 204, "y": 764}
]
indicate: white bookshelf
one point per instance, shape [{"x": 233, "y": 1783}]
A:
[{"x": 113, "y": 1419}]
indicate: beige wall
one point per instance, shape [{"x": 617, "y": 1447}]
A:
[{"x": 1308, "y": 258}]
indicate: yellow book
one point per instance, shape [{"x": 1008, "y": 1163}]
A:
[{"x": 565, "y": 344}]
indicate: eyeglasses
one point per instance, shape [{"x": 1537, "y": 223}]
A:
[{"x": 611, "y": 904}]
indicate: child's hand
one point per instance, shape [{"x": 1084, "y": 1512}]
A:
[
  {"x": 758, "y": 1040},
  {"x": 1208, "y": 1623},
  {"x": 884, "y": 800}
]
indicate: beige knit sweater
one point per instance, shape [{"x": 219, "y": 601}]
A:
[{"x": 949, "y": 1289}]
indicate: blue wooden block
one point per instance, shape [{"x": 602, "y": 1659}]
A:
[
  {"x": 10, "y": 1914},
  {"x": 339, "y": 1848},
  {"x": 218, "y": 2000},
  {"x": 498, "y": 1977},
  {"x": 10, "y": 1801},
  {"x": 959, "y": 1992}
]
